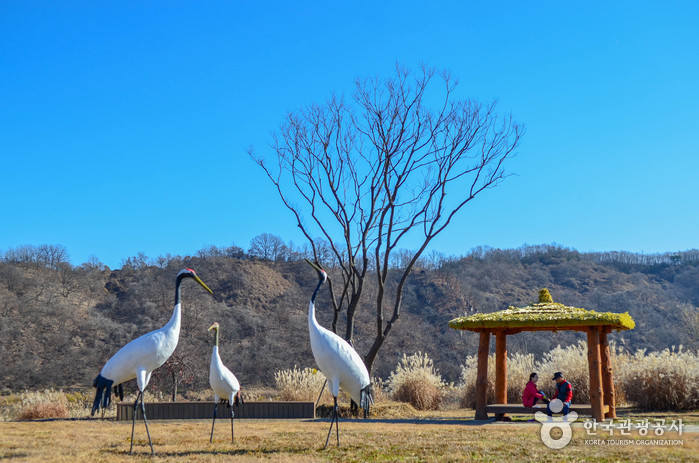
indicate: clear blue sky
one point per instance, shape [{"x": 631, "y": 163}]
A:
[{"x": 123, "y": 125}]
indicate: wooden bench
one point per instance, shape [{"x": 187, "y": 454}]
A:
[
  {"x": 502, "y": 409},
  {"x": 205, "y": 410}
]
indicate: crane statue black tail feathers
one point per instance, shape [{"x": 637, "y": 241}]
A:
[
  {"x": 103, "y": 395},
  {"x": 366, "y": 399}
]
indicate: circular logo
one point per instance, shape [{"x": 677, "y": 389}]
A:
[
  {"x": 548, "y": 424},
  {"x": 556, "y": 405}
]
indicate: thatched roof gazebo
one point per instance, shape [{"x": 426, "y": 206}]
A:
[{"x": 546, "y": 315}]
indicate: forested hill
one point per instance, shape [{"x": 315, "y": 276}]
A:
[{"x": 61, "y": 323}]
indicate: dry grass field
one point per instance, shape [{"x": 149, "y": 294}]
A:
[{"x": 446, "y": 436}]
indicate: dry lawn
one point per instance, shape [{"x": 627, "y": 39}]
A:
[{"x": 447, "y": 438}]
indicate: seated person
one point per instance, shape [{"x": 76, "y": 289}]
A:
[
  {"x": 531, "y": 394},
  {"x": 564, "y": 393}
]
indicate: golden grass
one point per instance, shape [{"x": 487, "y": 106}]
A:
[
  {"x": 416, "y": 381},
  {"x": 443, "y": 438},
  {"x": 43, "y": 411},
  {"x": 301, "y": 384},
  {"x": 667, "y": 380},
  {"x": 49, "y": 403}
]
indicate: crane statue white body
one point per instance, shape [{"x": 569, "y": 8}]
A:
[
  {"x": 224, "y": 383},
  {"x": 140, "y": 357},
  {"x": 338, "y": 361}
]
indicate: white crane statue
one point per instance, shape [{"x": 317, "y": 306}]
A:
[
  {"x": 224, "y": 383},
  {"x": 140, "y": 357},
  {"x": 338, "y": 361}
]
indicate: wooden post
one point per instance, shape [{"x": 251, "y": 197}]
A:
[
  {"x": 482, "y": 376},
  {"x": 500, "y": 370},
  {"x": 607, "y": 374},
  {"x": 594, "y": 361}
]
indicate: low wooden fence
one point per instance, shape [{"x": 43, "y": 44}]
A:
[{"x": 202, "y": 410}]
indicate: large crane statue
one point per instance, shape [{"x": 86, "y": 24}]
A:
[
  {"x": 338, "y": 361},
  {"x": 140, "y": 357}
]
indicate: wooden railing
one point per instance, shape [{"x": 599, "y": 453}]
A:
[{"x": 205, "y": 410}]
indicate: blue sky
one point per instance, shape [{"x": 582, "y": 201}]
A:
[{"x": 123, "y": 125}]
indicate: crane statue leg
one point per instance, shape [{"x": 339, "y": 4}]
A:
[
  {"x": 145, "y": 420},
  {"x": 214, "y": 422},
  {"x": 142, "y": 378},
  {"x": 232, "y": 416},
  {"x": 334, "y": 420},
  {"x": 143, "y": 410},
  {"x": 133, "y": 421},
  {"x": 321, "y": 392},
  {"x": 337, "y": 423}
]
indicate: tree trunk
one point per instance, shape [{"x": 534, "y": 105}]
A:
[
  {"x": 351, "y": 311},
  {"x": 371, "y": 355},
  {"x": 174, "y": 387}
]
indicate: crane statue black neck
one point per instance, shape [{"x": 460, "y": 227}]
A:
[{"x": 322, "y": 277}]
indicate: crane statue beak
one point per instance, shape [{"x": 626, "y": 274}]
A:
[
  {"x": 198, "y": 280},
  {"x": 315, "y": 266},
  {"x": 322, "y": 274},
  {"x": 213, "y": 327}
]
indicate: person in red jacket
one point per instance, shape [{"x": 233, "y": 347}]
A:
[
  {"x": 531, "y": 394},
  {"x": 564, "y": 393}
]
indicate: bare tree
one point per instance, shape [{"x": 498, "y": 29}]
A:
[
  {"x": 137, "y": 262},
  {"x": 53, "y": 255},
  {"x": 179, "y": 370},
  {"x": 21, "y": 255},
  {"x": 68, "y": 279},
  {"x": 268, "y": 247},
  {"x": 380, "y": 169},
  {"x": 214, "y": 251},
  {"x": 93, "y": 264},
  {"x": 45, "y": 255}
]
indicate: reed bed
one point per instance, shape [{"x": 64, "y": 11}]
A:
[
  {"x": 417, "y": 382},
  {"x": 667, "y": 380},
  {"x": 652, "y": 381},
  {"x": 301, "y": 384},
  {"x": 46, "y": 404}
]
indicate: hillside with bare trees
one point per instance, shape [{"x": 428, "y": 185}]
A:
[{"x": 60, "y": 323}]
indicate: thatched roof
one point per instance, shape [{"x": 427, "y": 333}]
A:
[{"x": 544, "y": 315}]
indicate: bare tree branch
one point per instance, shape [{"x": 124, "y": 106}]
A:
[{"x": 367, "y": 173}]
